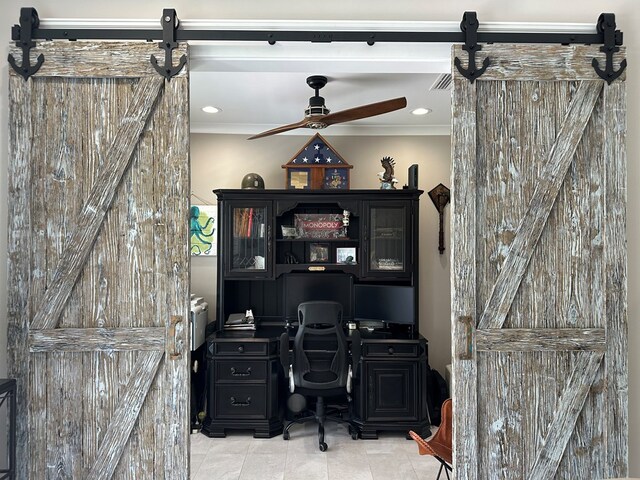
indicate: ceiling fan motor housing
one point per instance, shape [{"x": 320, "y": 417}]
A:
[
  {"x": 316, "y": 103},
  {"x": 316, "y": 107}
]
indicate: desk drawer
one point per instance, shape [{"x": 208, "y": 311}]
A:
[
  {"x": 390, "y": 349},
  {"x": 241, "y": 370},
  {"x": 240, "y": 348},
  {"x": 241, "y": 401}
]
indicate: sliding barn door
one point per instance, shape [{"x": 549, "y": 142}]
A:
[
  {"x": 539, "y": 266},
  {"x": 98, "y": 263}
]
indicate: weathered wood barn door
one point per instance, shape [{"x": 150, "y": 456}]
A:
[
  {"x": 539, "y": 266},
  {"x": 98, "y": 263}
]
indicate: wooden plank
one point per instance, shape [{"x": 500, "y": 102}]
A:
[
  {"x": 99, "y": 281},
  {"x": 543, "y": 199},
  {"x": 579, "y": 213},
  {"x": 125, "y": 415},
  {"x": 97, "y": 339},
  {"x": 19, "y": 248},
  {"x": 540, "y": 62},
  {"x": 569, "y": 406},
  {"x": 97, "y": 205},
  {"x": 95, "y": 59},
  {"x": 175, "y": 282},
  {"x": 463, "y": 276},
  {"x": 615, "y": 294},
  {"x": 540, "y": 339}
]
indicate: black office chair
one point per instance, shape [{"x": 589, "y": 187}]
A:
[{"x": 321, "y": 365}]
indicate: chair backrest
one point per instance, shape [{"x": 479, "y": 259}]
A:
[
  {"x": 320, "y": 358},
  {"x": 441, "y": 441}
]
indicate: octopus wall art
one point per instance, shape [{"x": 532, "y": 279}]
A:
[{"x": 203, "y": 229}]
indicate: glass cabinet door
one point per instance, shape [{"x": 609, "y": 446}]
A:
[
  {"x": 250, "y": 239},
  {"x": 387, "y": 243}
]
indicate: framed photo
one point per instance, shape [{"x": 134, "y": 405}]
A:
[
  {"x": 318, "y": 253},
  {"x": 336, "y": 178},
  {"x": 299, "y": 178},
  {"x": 203, "y": 228},
  {"x": 346, "y": 255}
]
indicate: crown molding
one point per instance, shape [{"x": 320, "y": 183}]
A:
[{"x": 337, "y": 130}]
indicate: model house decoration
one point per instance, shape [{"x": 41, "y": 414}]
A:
[{"x": 316, "y": 166}]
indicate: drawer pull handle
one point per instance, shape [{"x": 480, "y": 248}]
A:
[
  {"x": 236, "y": 373},
  {"x": 241, "y": 349},
  {"x": 240, "y": 404},
  {"x": 391, "y": 350}
]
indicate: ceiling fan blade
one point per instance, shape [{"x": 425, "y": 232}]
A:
[
  {"x": 365, "y": 111},
  {"x": 282, "y": 128}
]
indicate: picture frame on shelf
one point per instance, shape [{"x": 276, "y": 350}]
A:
[
  {"x": 346, "y": 255},
  {"x": 318, "y": 253}
]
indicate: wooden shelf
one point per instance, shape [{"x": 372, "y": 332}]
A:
[
  {"x": 317, "y": 267},
  {"x": 316, "y": 240}
]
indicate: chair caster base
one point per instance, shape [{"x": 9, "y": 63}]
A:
[
  {"x": 285, "y": 435},
  {"x": 323, "y": 447}
]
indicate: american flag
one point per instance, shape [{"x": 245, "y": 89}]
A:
[{"x": 317, "y": 153}]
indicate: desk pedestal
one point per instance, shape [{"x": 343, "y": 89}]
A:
[
  {"x": 243, "y": 386},
  {"x": 392, "y": 393}
]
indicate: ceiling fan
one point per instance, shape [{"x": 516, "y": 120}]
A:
[{"x": 318, "y": 116}]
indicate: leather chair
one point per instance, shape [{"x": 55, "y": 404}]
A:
[
  {"x": 440, "y": 444},
  {"x": 321, "y": 365}
]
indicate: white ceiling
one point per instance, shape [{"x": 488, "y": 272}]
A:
[{"x": 259, "y": 86}]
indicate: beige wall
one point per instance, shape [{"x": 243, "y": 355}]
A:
[
  {"x": 220, "y": 161},
  {"x": 627, "y": 16}
]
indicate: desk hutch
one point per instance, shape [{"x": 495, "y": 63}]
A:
[{"x": 334, "y": 243}]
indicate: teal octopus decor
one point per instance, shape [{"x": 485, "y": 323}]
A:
[{"x": 203, "y": 229}]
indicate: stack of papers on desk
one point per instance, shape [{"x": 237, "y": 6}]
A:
[{"x": 240, "y": 321}]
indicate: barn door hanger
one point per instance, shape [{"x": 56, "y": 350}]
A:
[
  {"x": 612, "y": 37},
  {"x": 29, "y": 21},
  {"x": 170, "y": 23},
  {"x": 469, "y": 27}
]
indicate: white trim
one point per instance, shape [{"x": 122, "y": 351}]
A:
[
  {"x": 321, "y": 25},
  {"x": 337, "y": 130}
]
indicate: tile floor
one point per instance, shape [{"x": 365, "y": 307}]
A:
[{"x": 242, "y": 457}]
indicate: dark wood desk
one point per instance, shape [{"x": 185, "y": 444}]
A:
[
  {"x": 8, "y": 394},
  {"x": 246, "y": 389}
]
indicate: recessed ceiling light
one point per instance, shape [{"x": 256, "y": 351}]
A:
[
  {"x": 211, "y": 109},
  {"x": 421, "y": 111}
]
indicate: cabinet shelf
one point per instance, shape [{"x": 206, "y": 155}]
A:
[
  {"x": 282, "y": 268},
  {"x": 316, "y": 240}
]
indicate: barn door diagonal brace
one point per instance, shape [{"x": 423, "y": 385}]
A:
[
  {"x": 170, "y": 23},
  {"x": 29, "y": 21},
  {"x": 469, "y": 27},
  {"x": 607, "y": 25}
]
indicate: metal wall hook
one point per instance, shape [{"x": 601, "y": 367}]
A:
[
  {"x": 29, "y": 21},
  {"x": 607, "y": 25},
  {"x": 469, "y": 26},
  {"x": 170, "y": 23}
]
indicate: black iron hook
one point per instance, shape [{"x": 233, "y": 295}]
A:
[
  {"x": 170, "y": 24},
  {"x": 29, "y": 20},
  {"x": 607, "y": 25},
  {"x": 469, "y": 26}
]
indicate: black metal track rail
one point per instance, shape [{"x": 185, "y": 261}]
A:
[
  {"x": 310, "y": 36},
  {"x": 170, "y": 34}
]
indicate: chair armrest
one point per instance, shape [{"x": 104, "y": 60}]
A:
[
  {"x": 284, "y": 353},
  {"x": 356, "y": 345}
]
